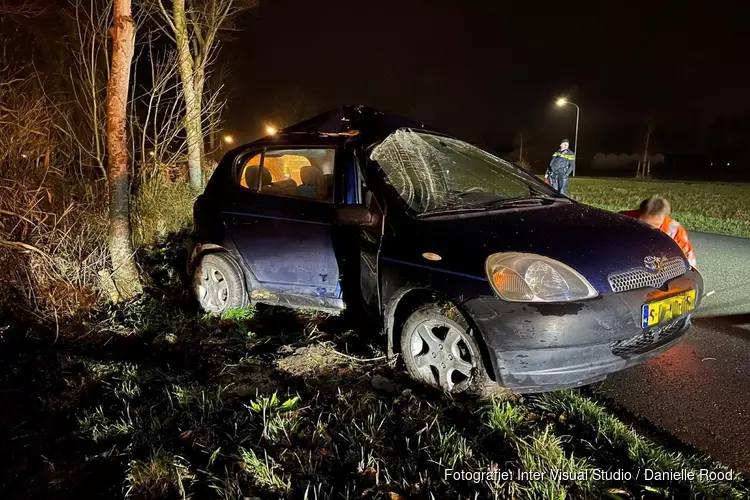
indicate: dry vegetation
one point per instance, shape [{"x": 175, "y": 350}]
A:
[
  {"x": 53, "y": 193},
  {"x": 53, "y": 219},
  {"x": 51, "y": 229}
]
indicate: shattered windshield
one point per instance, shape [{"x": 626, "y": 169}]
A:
[{"x": 434, "y": 174}]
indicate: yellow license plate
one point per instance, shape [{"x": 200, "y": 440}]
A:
[{"x": 666, "y": 309}]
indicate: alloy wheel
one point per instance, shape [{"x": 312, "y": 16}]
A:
[
  {"x": 213, "y": 290},
  {"x": 442, "y": 355}
]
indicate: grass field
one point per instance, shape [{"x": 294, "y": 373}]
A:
[
  {"x": 700, "y": 206},
  {"x": 151, "y": 399}
]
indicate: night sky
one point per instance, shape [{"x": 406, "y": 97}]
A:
[{"x": 487, "y": 71}]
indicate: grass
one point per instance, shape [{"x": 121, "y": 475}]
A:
[
  {"x": 154, "y": 400},
  {"x": 158, "y": 475},
  {"x": 700, "y": 206}
]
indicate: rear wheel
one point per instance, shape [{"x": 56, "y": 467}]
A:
[
  {"x": 218, "y": 284},
  {"x": 440, "y": 350}
]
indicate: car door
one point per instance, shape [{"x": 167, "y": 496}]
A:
[
  {"x": 281, "y": 222},
  {"x": 370, "y": 238},
  {"x": 362, "y": 241}
]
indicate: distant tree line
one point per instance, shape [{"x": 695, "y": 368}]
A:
[{"x": 612, "y": 160}]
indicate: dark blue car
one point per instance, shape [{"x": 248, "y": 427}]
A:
[{"x": 479, "y": 274}]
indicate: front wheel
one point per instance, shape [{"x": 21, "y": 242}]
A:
[
  {"x": 439, "y": 350},
  {"x": 218, "y": 284}
]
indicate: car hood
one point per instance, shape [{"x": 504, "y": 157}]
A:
[{"x": 594, "y": 242}]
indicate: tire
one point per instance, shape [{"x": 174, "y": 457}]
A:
[
  {"x": 218, "y": 284},
  {"x": 439, "y": 350}
]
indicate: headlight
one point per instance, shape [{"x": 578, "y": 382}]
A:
[{"x": 527, "y": 277}]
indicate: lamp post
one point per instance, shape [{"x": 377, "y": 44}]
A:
[{"x": 560, "y": 103}]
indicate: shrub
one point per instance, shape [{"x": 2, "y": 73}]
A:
[
  {"x": 52, "y": 239},
  {"x": 161, "y": 207}
]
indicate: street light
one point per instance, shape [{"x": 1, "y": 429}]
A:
[
  {"x": 271, "y": 130},
  {"x": 562, "y": 101},
  {"x": 228, "y": 139}
]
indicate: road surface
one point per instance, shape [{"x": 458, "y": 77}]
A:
[{"x": 700, "y": 390}]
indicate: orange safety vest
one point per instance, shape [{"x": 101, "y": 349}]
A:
[{"x": 675, "y": 231}]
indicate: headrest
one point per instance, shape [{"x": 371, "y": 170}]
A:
[
  {"x": 251, "y": 177},
  {"x": 267, "y": 177},
  {"x": 309, "y": 175}
]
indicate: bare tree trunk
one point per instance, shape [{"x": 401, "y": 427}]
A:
[
  {"x": 125, "y": 273},
  {"x": 193, "y": 128}
]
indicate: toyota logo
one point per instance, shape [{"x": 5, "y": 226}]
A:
[{"x": 653, "y": 263}]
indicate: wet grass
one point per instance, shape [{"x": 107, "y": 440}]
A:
[
  {"x": 701, "y": 206},
  {"x": 151, "y": 399}
]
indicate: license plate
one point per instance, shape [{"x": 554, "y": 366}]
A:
[{"x": 666, "y": 309}]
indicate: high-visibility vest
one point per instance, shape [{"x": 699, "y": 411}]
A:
[{"x": 676, "y": 231}]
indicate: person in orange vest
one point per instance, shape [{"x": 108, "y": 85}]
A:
[{"x": 655, "y": 212}]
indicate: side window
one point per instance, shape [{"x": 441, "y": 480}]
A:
[
  {"x": 301, "y": 173},
  {"x": 249, "y": 171}
]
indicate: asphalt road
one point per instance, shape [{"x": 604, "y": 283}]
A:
[{"x": 700, "y": 390}]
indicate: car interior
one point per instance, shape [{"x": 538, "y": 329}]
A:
[{"x": 303, "y": 173}]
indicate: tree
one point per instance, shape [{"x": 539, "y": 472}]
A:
[
  {"x": 194, "y": 27},
  {"x": 87, "y": 69},
  {"x": 522, "y": 160},
  {"x": 213, "y": 109},
  {"x": 518, "y": 152},
  {"x": 158, "y": 126},
  {"x": 124, "y": 271},
  {"x": 644, "y": 167}
]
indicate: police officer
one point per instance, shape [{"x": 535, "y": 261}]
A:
[{"x": 560, "y": 167}]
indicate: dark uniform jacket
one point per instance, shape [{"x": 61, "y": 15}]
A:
[{"x": 562, "y": 163}]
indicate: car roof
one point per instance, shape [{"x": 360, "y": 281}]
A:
[{"x": 370, "y": 124}]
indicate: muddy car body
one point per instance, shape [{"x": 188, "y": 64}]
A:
[{"x": 479, "y": 274}]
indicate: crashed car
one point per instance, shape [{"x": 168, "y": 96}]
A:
[{"x": 479, "y": 274}]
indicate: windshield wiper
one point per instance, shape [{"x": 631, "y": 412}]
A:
[
  {"x": 453, "y": 210},
  {"x": 526, "y": 200},
  {"x": 509, "y": 202}
]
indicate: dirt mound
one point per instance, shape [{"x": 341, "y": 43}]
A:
[{"x": 311, "y": 360}]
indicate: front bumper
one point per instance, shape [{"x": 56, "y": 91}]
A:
[{"x": 545, "y": 347}]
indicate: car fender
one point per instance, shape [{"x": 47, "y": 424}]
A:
[
  {"x": 407, "y": 282},
  {"x": 196, "y": 251}
]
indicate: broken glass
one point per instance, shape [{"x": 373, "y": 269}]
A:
[{"x": 432, "y": 173}]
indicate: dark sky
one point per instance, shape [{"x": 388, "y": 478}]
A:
[{"x": 486, "y": 71}]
